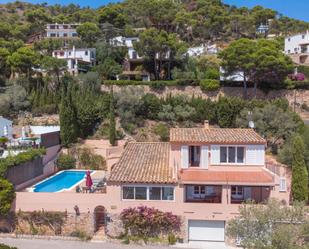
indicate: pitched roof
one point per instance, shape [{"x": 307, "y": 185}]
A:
[
  {"x": 216, "y": 135},
  {"x": 220, "y": 177},
  {"x": 143, "y": 163}
]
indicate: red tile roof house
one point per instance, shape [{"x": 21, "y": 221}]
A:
[{"x": 202, "y": 174}]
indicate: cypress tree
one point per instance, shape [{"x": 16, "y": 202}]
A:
[
  {"x": 112, "y": 122},
  {"x": 68, "y": 119},
  {"x": 299, "y": 171}
]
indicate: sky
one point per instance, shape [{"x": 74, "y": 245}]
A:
[{"x": 298, "y": 9}]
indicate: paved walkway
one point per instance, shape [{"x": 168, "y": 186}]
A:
[{"x": 60, "y": 244}]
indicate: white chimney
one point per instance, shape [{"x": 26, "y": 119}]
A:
[{"x": 206, "y": 124}]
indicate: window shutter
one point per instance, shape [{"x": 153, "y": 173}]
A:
[
  {"x": 282, "y": 185},
  {"x": 184, "y": 156},
  {"x": 215, "y": 154},
  {"x": 204, "y": 157}
]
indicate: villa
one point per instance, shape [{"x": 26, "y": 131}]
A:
[
  {"x": 297, "y": 47},
  {"x": 202, "y": 175},
  {"x": 78, "y": 60}
]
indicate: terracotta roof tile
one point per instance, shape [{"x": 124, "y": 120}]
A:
[
  {"x": 219, "y": 177},
  {"x": 215, "y": 135},
  {"x": 143, "y": 163}
]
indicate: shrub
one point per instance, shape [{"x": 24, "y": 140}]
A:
[
  {"x": 46, "y": 109},
  {"x": 297, "y": 77},
  {"x": 7, "y": 196},
  {"x": 65, "y": 161},
  {"x": 88, "y": 159},
  {"x": 143, "y": 221},
  {"x": 305, "y": 107},
  {"x": 209, "y": 85},
  {"x": 212, "y": 73},
  {"x": 82, "y": 235},
  {"x": 11, "y": 161},
  {"x": 172, "y": 239},
  {"x": 163, "y": 131},
  {"x": 157, "y": 85},
  {"x": 3, "y": 246}
]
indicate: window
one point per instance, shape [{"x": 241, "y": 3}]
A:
[
  {"x": 167, "y": 193},
  {"x": 240, "y": 154},
  {"x": 289, "y": 39},
  {"x": 199, "y": 190},
  {"x": 147, "y": 193},
  {"x": 303, "y": 36},
  {"x": 282, "y": 185},
  {"x": 237, "y": 191},
  {"x": 155, "y": 193},
  {"x": 140, "y": 193},
  {"x": 223, "y": 154},
  {"x": 128, "y": 193},
  {"x": 289, "y": 51},
  {"x": 86, "y": 52},
  {"x": 194, "y": 156},
  {"x": 232, "y": 154}
]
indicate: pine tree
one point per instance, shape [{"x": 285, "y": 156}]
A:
[
  {"x": 299, "y": 171},
  {"x": 112, "y": 122},
  {"x": 68, "y": 119}
]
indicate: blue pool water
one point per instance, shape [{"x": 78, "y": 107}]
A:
[{"x": 61, "y": 181}]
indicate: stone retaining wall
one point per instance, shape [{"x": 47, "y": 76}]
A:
[
  {"x": 73, "y": 223},
  {"x": 298, "y": 96}
]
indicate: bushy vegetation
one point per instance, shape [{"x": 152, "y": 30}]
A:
[
  {"x": 3, "y": 246},
  {"x": 270, "y": 226},
  {"x": 7, "y": 196},
  {"x": 300, "y": 189},
  {"x": 146, "y": 222},
  {"x": 66, "y": 161},
  {"x": 89, "y": 160},
  {"x": 209, "y": 85},
  {"x": 11, "y": 161}
]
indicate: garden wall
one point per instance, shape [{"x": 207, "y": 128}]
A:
[
  {"x": 25, "y": 171},
  {"x": 299, "y": 96},
  {"x": 73, "y": 225}
]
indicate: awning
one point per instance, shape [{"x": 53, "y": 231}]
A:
[{"x": 252, "y": 178}]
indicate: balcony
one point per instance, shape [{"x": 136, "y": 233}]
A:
[
  {"x": 240, "y": 194},
  {"x": 203, "y": 193}
]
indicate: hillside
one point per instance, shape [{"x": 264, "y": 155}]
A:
[{"x": 194, "y": 21}]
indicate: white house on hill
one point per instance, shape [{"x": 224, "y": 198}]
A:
[
  {"x": 78, "y": 60},
  {"x": 6, "y": 128}
]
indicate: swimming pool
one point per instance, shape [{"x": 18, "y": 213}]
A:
[{"x": 64, "y": 180}]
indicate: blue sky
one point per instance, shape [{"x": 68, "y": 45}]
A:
[{"x": 293, "y": 8}]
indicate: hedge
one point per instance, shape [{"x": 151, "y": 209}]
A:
[
  {"x": 161, "y": 83},
  {"x": 23, "y": 157}
]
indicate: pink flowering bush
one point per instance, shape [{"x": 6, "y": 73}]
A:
[
  {"x": 149, "y": 222},
  {"x": 297, "y": 77}
]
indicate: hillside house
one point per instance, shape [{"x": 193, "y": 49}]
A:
[
  {"x": 297, "y": 47},
  {"x": 202, "y": 174},
  {"x": 6, "y": 128},
  {"x": 78, "y": 60}
]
